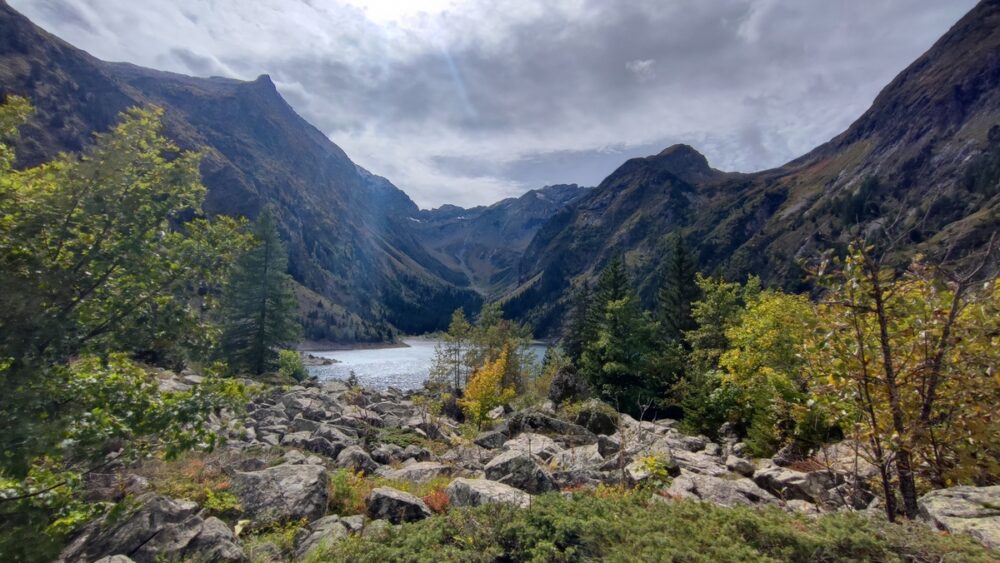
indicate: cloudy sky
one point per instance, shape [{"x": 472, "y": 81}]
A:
[{"x": 470, "y": 101}]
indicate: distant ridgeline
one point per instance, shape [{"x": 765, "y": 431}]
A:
[{"x": 923, "y": 162}]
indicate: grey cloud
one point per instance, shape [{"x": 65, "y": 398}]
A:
[{"x": 494, "y": 97}]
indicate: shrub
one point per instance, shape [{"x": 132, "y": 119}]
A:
[
  {"x": 290, "y": 365},
  {"x": 630, "y": 527}
]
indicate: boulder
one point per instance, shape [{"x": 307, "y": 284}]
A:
[
  {"x": 788, "y": 455},
  {"x": 490, "y": 440},
  {"x": 578, "y": 458},
  {"x": 723, "y": 492},
  {"x": 521, "y": 470},
  {"x": 596, "y": 416},
  {"x": 568, "y": 386},
  {"x": 283, "y": 492},
  {"x": 476, "y": 492},
  {"x": 419, "y": 472},
  {"x": 396, "y": 506},
  {"x": 115, "y": 559},
  {"x": 325, "y": 531},
  {"x": 608, "y": 445},
  {"x": 417, "y": 453},
  {"x": 356, "y": 459},
  {"x": 971, "y": 510},
  {"x": 387, "y": 453},
  {"x": 787, "y": 484},
  {"x": 535, "y": 444},
  {"x": 644, "y": 469},
  {"x": 158, "y": 527},
  {"x": 541, "y": 423},
  {"x": 739, "y": 465}
]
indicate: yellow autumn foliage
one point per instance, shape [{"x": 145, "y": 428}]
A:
[{"x": 485, "y": 390}]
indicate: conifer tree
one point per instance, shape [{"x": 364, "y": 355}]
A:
[
  {"x": 259, "y": 305},
  {"x": 580, "y": 331},
  {"x": 678, "y": 290}
]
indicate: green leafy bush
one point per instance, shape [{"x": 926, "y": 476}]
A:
[{"x": 290, "y": 365}]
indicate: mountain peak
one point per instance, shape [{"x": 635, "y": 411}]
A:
[{"x": 684, "y": 162}]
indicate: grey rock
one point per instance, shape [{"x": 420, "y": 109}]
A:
[
  {"x": 419, "y": 472},
  {"x": 521, "y": 470},
  {"x": 608, "y": 445},
  {"x": 387, "y": 453},
  {"x": 971, "y": 510},
  {"x": 535, "y": 444},
  {"x": 396, "y": 506},
  {"x": 723, "y": 492},
  {"x": 739, "y": 465},
  {"x": 282, "y": 492},
  {"x": 476, "y": 492},
  {"x": 788, "y": 455},
  {"x": 417, "y": 453},
  {"x": 321, "y": 533},
  {"x": 597, "y": 417},
  {"x": 356, "y": 459},
  {"x": 541, "y": 423},
  {"x": 578, "y": 458},
  {"x": 789, "y": 484},
  {"x": 490, "y": 440},
  {"x": 157, "y": 527},
  {"x": 115, "y": 559}
]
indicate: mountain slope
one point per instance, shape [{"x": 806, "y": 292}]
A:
[
  {"x": 487, "y": 242},
  {"x": 346, "y": 229},
  {"x": 924, "y": 159}
]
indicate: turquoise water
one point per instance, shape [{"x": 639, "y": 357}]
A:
[{"x": 403, "y": 368}]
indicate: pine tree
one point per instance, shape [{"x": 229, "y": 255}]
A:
[
  {"x": 259, "y": 305},
  {"x": 580, "y": 331},
  {"x": 678, "y": 290}
]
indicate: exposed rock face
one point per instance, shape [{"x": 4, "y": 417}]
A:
[
  {"x": 396, "y": 506},
  {"x": 476, "y": 492},
  {"x": 158, "y": 526},
  {"x": 283, "y": 492},
  {"x": 521, "y": 470},
  {"x": 491, "y": 439},
  {"x": 972, "y": 510}
]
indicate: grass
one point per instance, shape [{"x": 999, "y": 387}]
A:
[
  {"x": 348, "y": 491},
  {"x": 629, "y": 527}
]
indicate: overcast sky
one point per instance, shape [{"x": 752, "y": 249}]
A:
[{"x": 468, "y": 102}]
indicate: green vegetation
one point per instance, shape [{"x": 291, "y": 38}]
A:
[
  {"x": 259, "y": 307},
  {"x": 290, "y": 365},
  {"x": 107, "y": 265},
  {"x": 468, "y": 347},
  {"x": 592, "y": 527}
]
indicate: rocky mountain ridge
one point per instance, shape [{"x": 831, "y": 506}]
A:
[
  {"x": 487, "y": 242},
  {"x": 922, "y": 162}
]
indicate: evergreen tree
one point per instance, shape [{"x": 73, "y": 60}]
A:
[
  {"x": 580, "y": 331},
  {"x": 678, "y": 290},
  {"x": 259, "y": 305}
]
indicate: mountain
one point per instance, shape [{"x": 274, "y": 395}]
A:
[
  {"x": 347, "y": 230},
  {"x": 923, "y": 162},
  {"x": 487, "y": 242}
]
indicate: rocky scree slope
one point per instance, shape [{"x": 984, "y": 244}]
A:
[{"x": 280, "y": 457}]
